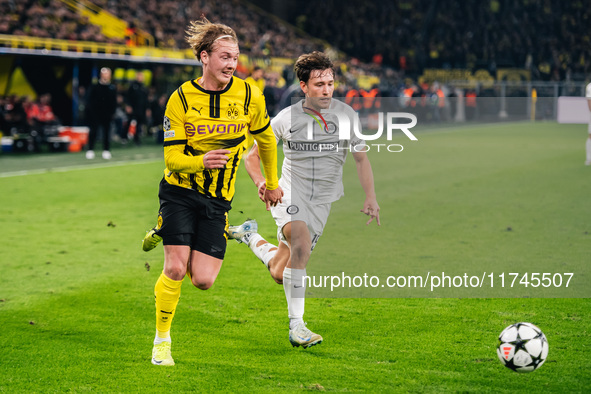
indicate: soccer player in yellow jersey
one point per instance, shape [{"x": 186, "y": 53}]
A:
[{"x": 205, "y": 127}]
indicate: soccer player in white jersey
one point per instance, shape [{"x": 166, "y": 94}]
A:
[
  {"x": 311, "y": 180},
  {"x": 588, "y": 145}
]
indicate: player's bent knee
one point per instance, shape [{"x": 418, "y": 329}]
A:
[
  {"x": 299, "y": 256},
  {"x": 175, "y": 272},
  {"x": 277, "y": 275},
  {"x": 202, "y": 284}
]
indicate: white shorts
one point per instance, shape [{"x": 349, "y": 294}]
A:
[{"x": 314, "y": 215}]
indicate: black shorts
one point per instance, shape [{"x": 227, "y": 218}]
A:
[{"x": 190, "y": 218}]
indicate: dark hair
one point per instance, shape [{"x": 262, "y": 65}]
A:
[{"x": 312, "y": 61}]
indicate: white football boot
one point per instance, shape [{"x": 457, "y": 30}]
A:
[
  {"x": 243, "y": 232},
  {"x": 301, "y": 336}
]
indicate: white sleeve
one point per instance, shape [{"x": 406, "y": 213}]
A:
[
  {"x": 277, "y": 127},
  {"x": 356, "y": 140},
  {"x": 588, "y": 93},
  {"x": 281, "y": 124},
  {"x": 352, "y": 114}
]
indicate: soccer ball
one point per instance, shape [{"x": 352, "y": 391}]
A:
[{"x": 523, "y": 347}]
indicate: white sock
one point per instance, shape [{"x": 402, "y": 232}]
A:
[
  {"x": 158, "y": 340},
  {"x": 262, "y": 251},
  {"x": 268, "y": 256},
  {"x": 295, "y": 291},
  {"x": 588, "y": 145}
]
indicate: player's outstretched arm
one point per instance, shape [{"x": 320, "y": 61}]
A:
[
  {"x": 267, "y": 149},
  {"x": 263, "y": 134},
  {"x": 365, "y": 174},
  {"x": 253, "y": 168},
  {"x": 252, "y": 162}
]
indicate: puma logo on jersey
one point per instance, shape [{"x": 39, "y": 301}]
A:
[{"x": 198, "y": 110}]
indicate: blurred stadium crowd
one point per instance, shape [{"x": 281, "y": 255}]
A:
[
  {"x": 549, "y": 37},
  {"x": 389, "y": 43},
  {"x": 48, "y": 19},
  {"x": 165, "y": 20}
]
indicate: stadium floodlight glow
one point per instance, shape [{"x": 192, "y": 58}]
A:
[{"x": 345, "y": 125}]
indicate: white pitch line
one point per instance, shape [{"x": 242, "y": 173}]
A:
[
  {"x": 463, "y": 127},
  {"x": 76, "y": 167},
  {"x": 436, "y": 130}
]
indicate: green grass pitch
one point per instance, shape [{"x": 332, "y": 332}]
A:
[{"x": 76, "y": 290}]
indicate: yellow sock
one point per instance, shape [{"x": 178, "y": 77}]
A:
[
  {"x": 167, "y": 293},
  {"x": 189, "y": 270}
]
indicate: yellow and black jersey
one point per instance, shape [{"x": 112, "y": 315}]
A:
[{"x": 197, "y": 121}]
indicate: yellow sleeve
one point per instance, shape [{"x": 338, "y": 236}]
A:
[
  {"x": 268, "y": 153},
  {"x": 176, "y": 160},
  {"x": 175, "y": 138},
  {"x": 260, "y": 128}
]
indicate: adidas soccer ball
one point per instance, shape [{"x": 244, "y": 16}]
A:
[{"x": 523, "y": 347}]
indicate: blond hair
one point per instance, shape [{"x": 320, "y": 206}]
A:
[{"x": 202, "y": 35}]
